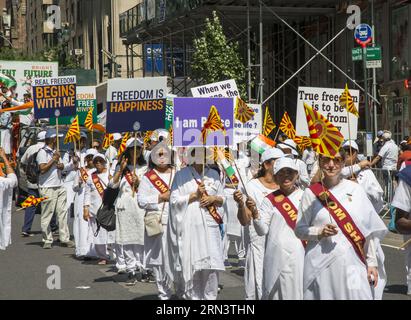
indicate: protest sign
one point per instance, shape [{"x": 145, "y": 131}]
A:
[
  {"x": 54, "y": 94},
  {"x": 86, "y": 99},
  {"x": 326, "y": 101},
  {"x": 245, "y": 131},
  {"x": 141, "y": 100},
  {"x": 169, "y": 111},
  {"x": 223, "y": 89},
  {"x": 190, "y": 114}
]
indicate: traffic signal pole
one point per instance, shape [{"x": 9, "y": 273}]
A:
[{"x": 374, "y": 73}]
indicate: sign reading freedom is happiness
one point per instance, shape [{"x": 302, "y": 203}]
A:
[
  {"x": 190, "y": 115},
  {"x": 51, "y": 94},
  {"x": 140, "y": 100}
]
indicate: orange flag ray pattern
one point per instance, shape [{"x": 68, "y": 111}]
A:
[
  {"x": 347, "y": 101},
  {"x": 213, "y": 124},
  {"x": 287, "y": 126}
]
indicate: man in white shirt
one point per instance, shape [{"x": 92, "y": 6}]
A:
[
  {"x": 388, "y": 153},
  {"x": 111, "y": 152},
  {"x": 51, "y": 186}
]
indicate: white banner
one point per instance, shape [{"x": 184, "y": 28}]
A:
[
  {"x": 326, "y": 102},
  {"x": 245, "y": 131},
  {"x": 223, "y": 89}
]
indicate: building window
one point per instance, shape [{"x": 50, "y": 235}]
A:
[{"x": 400, "y": 63}]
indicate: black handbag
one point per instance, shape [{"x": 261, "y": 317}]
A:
[{"x": 106, "y": 215}]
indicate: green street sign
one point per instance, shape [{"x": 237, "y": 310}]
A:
[
  {"x": 356, "y": 54},
  {"x": 373, "y": 53}
]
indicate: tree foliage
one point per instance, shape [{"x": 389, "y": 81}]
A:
[{"x": 215, "y": 59}]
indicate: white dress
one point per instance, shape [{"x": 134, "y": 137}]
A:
[
  {"x": 255, "y": 246},
  {"x": 332, "y": 269},
  {"x": 284, "y": 253},
  {"x": 193, "y": 237},
  {"x": 6, "y": 197}
]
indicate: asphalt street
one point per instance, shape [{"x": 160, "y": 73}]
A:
[{"x": 26, "y": 270}]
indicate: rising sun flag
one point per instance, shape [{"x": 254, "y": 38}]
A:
[
  {"x": 287, "y": 126},
  {"x": 108, "y": 140},
  {"x": 88, "y": 123},
  {"x": 32, "y": 202},
  {"x": 347, "y": 101},
  {"x": 73, "y": 134},
  {"x": 212, "y": 124},
  {"x": 326, "y": 139},
  {"x": 302, "y": 142},
  {"x": 243, "y": 112},
  {"x": 269, "y": 124},
  {"x": 123, "y": 144}
]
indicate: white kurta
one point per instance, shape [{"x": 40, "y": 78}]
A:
[
  {"x": 332, "y": 269},
  {"x": 284, "y": 253},
  {"x": 82, "y": 234},
  {"x": 255, "y": 246},
  {"x": 93, "y": 199},
  {"x": 129, "y": 216},
  {"x": 194, "y": 241},
  {"x": 6, "y": 197}
]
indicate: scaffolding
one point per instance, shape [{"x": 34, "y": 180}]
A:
[{"x": 270, "y": 49}]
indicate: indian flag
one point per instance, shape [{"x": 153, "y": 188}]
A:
[
  {"x": 229, "y": 170},
  {"x": 261, "y": 144},
  {"x": 6, "y": 81}
]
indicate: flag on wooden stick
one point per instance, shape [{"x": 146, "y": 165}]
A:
[
  {"x": 287, "y": 126},
  {"x": 269, "y": 124}
]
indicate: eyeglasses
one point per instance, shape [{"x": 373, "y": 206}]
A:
[{"x": 336, "y": 160}]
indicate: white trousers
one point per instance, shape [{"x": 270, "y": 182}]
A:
[
  {"x": 130, "y": 257},
  {"x": 163, "y": 283},
  {"x": 205, "y": 286},
  {"x": 238, "y": 246}
]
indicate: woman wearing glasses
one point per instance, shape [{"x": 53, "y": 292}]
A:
[{"x": 343, "y": 230}]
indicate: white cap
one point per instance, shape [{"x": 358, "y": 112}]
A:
[
  {"x": 99, "y": 155},
  {"x": 387, "y": 135},
  {"x": 284, "y": 163},
  {"x": 158, "y": 133},
  {"x": 41, "y": 136},
  {"x": 352, "y": 144},
  {"x": 289, "y": 144},
  {"x": 117, "y": 136},
  {"x": 131, "y": 142},
  {"x": 271, "y": 153},
  {"x": 91, "y": 152}
]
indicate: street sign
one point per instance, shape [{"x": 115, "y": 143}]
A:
[
  {"x": 373, "y": 53},
  {"x": 363, "y": 34},
  {"x": 374, "y": 64},
  {"x": 357, "y": 54}
]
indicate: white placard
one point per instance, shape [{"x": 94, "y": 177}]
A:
[
  {"x": 245, "y": 131},
  {"x": 326, "y": 101},
  {"x": 223, "y": 89}
]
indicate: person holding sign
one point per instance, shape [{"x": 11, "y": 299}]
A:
[
  {"x": 154, "y": 196},
  {"x": 257, "y": 190},
  {"x": 81, "y": 230},
  {"x": 51, "y": 186},
  {"x": 8, "y": 181},
  {"x": 284, "y": 252},
  {"x": 343, "y": 232},
  {"x": 96, "y": 183},
  {"x": 129, "y": 233},
  {"x": 194, "y": 238}
]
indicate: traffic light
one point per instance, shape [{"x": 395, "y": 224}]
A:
[
  {"x": 118, "y": 70},
  {"x": 407, "y": 83},
  {"x": 108, "y": 70}
]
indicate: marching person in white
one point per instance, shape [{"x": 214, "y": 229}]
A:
[
  {"x": 111, "y": 152},
  {"x": 93, "y": 197},
  {"x": 341, "y": 261},
  {"x": 194, "y": 236},
  {"x": 402, "y": 201},
  {"x": 129, "y": 233},
  {"x": 154, "y": 196},
  {"x": 309, "y": 157},
  {"x": 82, "y": 234},
  {"x": 257, "y": 190},
  {"x": 388, "y": 153},
  {"x": 284, "y": 252},
  {"x": 7, "y": 183},
  {"x": 289, "y": 147},
  {"x": 364, "y": 176}
]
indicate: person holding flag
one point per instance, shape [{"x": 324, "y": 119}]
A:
[
  {"x": 97, "y": 182},
  {"x": 284, "y": 252},
  {"x": 154, "y": 197},
  {"x": 8, "y": 181},
  {"x": 82, "y": 234},
  {"x": 256, "y": 190}
]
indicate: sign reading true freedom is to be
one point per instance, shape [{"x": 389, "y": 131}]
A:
[{"x": 53, "y": 95}]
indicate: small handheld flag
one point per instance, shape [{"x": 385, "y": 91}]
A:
[
  {"x": 88, "y": 123},
  {"x": 287, "y": 126},
  {"x": 261, "y": 144},
  {"x": 123, "y": 144},
  {"x": 347, "y": 101},
  {"x": 243, "y": 112},
  {"x": 108, "y": 140},
  {"x": 212, "y": 124},
  {"x": 269, "y": 124},
  {"x": 73, "y": 134},
  {"x": 32, "y": 201}
]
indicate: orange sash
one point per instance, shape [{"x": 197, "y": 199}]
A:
[
  {"x": 98, "y": 184},
  {"x": 286, "y": 208},
  {"x": 157, "y": 182},
  {"x": 342, "y": 218},
  {"x": 84, "y": 174},
  {"x": 129, "y": 177}
]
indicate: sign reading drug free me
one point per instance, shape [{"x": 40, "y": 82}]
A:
[
  {"x": 190, "y": 115},
  {"x": 54, "y": 94},
  {"x": 131, "y": 101},
  {"x": 326, "y": 101}
]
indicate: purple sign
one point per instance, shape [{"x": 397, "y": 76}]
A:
[{"x": 190, "y": 115}]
